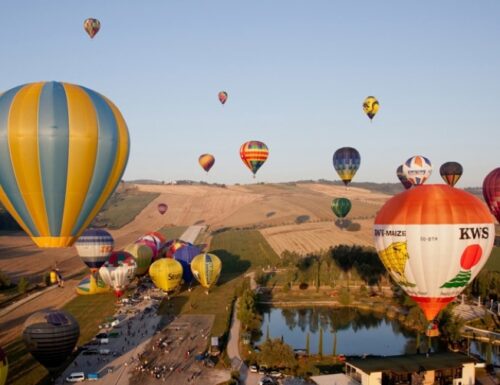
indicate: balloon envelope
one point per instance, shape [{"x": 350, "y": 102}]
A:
[
  {"x": 254, "y": 154},
  {"x": 222, "y": 97},
  {"x": 371, "y": 106},
  {"x": 172, "y": 246},
  {"x": 118, "y": 271},
  {"x": 433, "y": 240},
  {"x": 185, "y": 256},
  {"x": 417, "y": 169},
  {"x": 63, "y": 151},
  {"x": 91, "y": 26},
  {"x": 4, "y": 367},
  {"x": 162, "y": 208},
  {"x": 143, "y": 255},
  {"x": 94, "y": 247},
  {"x": 346, "y": 161},
  {"x": 402, "y": 178},
  {"x": 491, "y": 192},
  {"x": 50, "y": 336},
  {"x": 92, "y": 284},
  {"x": 451, "y": 172},
  {"x": 206, "y": 161},
  {"x": 341, "y": 207},
  {"x": 206, "y": 269},
  {"x": 166, "y": 273}
]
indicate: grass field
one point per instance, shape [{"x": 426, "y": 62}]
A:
[
  {"x": 493, "y": 263},
  {"x": 172, "y": 232}
]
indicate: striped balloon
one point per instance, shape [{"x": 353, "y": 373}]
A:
[
  {"x": 206, "y": 161},
  {"x": 206, "y": 269},
  {"x": 94, "y": 247},
  {"x": 63, "y": 151},
  {"x": 254, "y": 154}
]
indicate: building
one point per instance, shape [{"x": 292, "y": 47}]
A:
[{"x": 418, "y": 369}]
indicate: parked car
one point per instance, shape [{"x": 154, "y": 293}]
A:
[
  {"x": 90, "y": 352},
  {"x": 253, "y": 368},
  {"x": 276, "y": 374},
  {"x": 93, "y": 376},
  {"x": 104, "y": 352},
  {"x": 103, "y": 341},
  {"x": 101, "y": 335},
  {"x": 76, "y": 377},
  {"x": 266, "y": 381}
]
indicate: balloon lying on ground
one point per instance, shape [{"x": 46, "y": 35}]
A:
[
  {"x": 341, "y": 207},
  {"x": 172, "y": 246},
  {"x": 50, "y": 336},
  {"x": 91, "y": 26},
  {"x": 4, "y": 367},
  {"x": 491, "y": 192},
  {"x": 143, "y": 255},
  {"x": 92, "y": 284},
  {"x": 166, "y": 273},
  {"x": 417, "y": 169},
  {"x": 451, "y": 172},
  {"x": 94, "y": 247},
  {"x": 433, "y": 240},
  {"x": 222, "y": 97},
  {"x": 63, "y": 151},
  {"x": 206, "y": 268},
  {"x": 162, "y": 208},
  {"x": 402, "y": 178},
  {"x": 254, "y": 154},
  {"x": 206, "y": 161},
  {"x": 371, "y": 106},
  {"x": 185, "y": 256},
  {"x": 154, "y": 240},
  {"x": 346, "y": 161},
  {"x": 118, "y": 271}
]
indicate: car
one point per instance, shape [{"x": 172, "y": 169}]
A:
[
  {"x": 276, "y": 374},
  {"x": 266, "y": 381},
  {"x": 253, "y": 368},
  {"x": 76, "y": 377},
  {"x": 93, "y": 376},
  {"x": 103, "y": 341},
  {"x": 90, "y": 352},
  {"x": 104, "y": 352},
  {"x": 101, "y": 335}
]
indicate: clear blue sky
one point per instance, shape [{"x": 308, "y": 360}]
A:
[{"x": 296, "y": 73}]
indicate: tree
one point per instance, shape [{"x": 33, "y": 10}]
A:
[
  {"x": 334, "y": 350},
  {"x": 308, "y": 343},
  {"x": 277, "y": 354},
  {"x": 320, "y": 342},
  {"x": 344, "y": 258},
  {"x": 268, "y": 335},
  {"x": 4, "y": 280},
  {"x": 247, "y": 312},
  {"x": 22, "y": 285}
]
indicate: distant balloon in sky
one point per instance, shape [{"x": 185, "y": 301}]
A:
[
  {"x": 206, "y": 161},
  {"x": 4, "y": 367},
  {"x": 254, "y": 154},
  {"x": 63, "y": 151},
  {"x": 162, "y": 208},
  {"x": 402, "y": 178},
  {"x": 341, "y": 207},
  {"x": 451, "y": 172},
  {"x": 491, "y": 192},
  {"x": 94, "y": 247},
  {"x": 223, "y": 97},
  {"x": 346, "y": 161},
  {"x": 92, "y": 26},
  {"x": 417, "y": 169},
  {"x": 371, "y": 106}
]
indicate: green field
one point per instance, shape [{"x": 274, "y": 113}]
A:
[
  {"x": 493, "y": 263},
  {"x": 172, "y": 232}
]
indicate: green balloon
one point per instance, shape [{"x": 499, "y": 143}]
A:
[{"x": 341, "y": 207}]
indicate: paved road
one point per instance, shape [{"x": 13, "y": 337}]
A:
[{"x": 191, "y": 233}]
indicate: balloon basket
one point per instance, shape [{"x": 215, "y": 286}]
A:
[{"x": 432, "y": 332}]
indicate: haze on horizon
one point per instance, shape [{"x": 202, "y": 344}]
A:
[{"x": 296, "y": 73}]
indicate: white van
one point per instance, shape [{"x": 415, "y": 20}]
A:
[
  {"x": 103, "y": 341},
  {"x": 76, "y": 377}
]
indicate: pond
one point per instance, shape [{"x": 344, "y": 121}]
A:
[{"x": 357, "y": 332}]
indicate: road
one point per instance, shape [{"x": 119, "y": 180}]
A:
[{"x": 191, "y": 233}]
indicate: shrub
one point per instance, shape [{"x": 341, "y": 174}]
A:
[
  {"x": 46, "y": 279},
  {"x": 22, "y": 285},
  {"x": 303, "y": 286},
  {"x": 4, "y": 280}
]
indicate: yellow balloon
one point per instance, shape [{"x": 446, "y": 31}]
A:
[
  {"x": 371, "y": 106},
  {"x": 166, "y": 273},
  {"x": 206, "y": 269}
]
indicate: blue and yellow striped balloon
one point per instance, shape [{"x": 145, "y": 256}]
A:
[{"x": 63, "y": 151}]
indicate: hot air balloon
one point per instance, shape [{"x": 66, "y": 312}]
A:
[
  {"x": 402, "y": 178},
  {"x": 50, "y": 336},
  {"x": 92, "y": 284},
  {"x": 4, "y": 367},
  {"x": 94, "y": 247},
  {"x": 206, "y": 269},
  {"x": 371, "y": 106},
  {"x": 172, "y": 246},
  {"x": 156, "y": 241},
  {"x": 223, "y": 97},
  {"x": 341, "y": 207},
  {"x": 92, "y": 26},
  {"x": 417, "y": 170},
  {"x": 433, "y": 240},
  {"x": 166, "y": 273},
  {"x": 491, "y": 192},
  {"x": 162, "y": 208},
  {"x": 63, "y": 151},
  {"x": 185, "y": 256},
  {"x": 254, "y": 154},
  {"x": 346, "y": 161},
  {"x": 451, "y": 172},
  {"x": 206, "y": 161},
  {"x": 143, "y": 255},
  {"x": 118, "y": 271}
]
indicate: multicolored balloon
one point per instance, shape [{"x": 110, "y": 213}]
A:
[
  {"x": 371, "y": 106},
  {"x": 94, "y": 247},
  {"x": 341, "y": 207},
  {"x": 206, "y": 161},
  {"x": 92, "y": 26},
  {"x": 417, "y": 170},
  {"x": 63, "y": 151},
  {"x": 118, "y": 271},
  {"x": 50, "y": 336},
  {"x": 434, "y": 240},
  {"x": 143, "y": 255},
  {"x": 206, "y": 269},
  {"x": 451, "y": 172},
  {"x": 346, "y": 161},
  {"x": 185, "y": 256},
  {"x": 172, "y": 246},
  {"x": 254, "y": 154},
  {"x": 92, "y": 284},
  {"x": 162, "y": 208},
  {"x": 222, "y": 97},
  {"x": 491, "y": 192},
  {"x": 402, "y": 178},
  {"x": 166, "y": 273},
  {"x": 4, "y": 367},
  {"x": 156, "y": 241}
]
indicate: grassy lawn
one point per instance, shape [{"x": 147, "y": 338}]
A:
[{"x": 172, "y": 232}]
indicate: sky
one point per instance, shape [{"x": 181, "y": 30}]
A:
[{"x": 297, "y": 73}]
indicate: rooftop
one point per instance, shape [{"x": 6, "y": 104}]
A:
[{"x": 334, "y": 379}]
